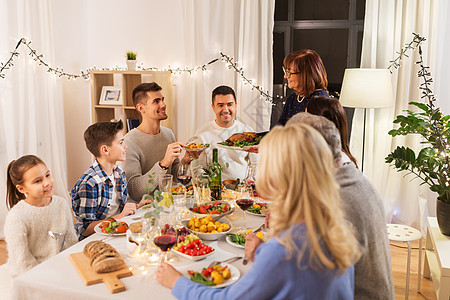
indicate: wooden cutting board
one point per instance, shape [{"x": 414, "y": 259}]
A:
[{"x": 89, "y": 276}]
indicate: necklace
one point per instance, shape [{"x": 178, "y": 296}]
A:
[{"x": 298, "y": 99}]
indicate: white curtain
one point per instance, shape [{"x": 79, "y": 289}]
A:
[
  {"x": 31, "y": 115},
  {"x": 240, "y": 29},
  {"x": 388, "y": 26}
]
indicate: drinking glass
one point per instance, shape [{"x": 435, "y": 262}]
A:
[
  {"x": 167, "y": 236},
  {"x": 184, "y": 176},
  {"x": 165, "y": 185},
  {"x": 250, "y": 181},
  {"x": 244, "y": 204}
]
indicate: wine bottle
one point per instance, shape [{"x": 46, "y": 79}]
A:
[{"x": 215, "y": 180}]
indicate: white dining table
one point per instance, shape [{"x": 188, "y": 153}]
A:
[{"x": 57, "y": 278}]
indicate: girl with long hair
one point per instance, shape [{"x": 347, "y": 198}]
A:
[
  {"x": 332, "y": 109},
  {"x": 35, "y": 214}
]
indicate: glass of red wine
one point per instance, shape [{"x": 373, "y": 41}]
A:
[
  {"x": 184, "y": 176},
  {"x": 245, "y": 204},
  {"x": 166, "y": 239}
]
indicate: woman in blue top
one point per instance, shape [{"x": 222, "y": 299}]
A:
[
  {"x": 312, "y": 249},
  {"x": 306, "y": 74}
]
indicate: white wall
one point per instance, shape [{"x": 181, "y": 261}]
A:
[{"x": 88, "y": 33}]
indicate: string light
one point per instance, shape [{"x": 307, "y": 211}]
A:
[
  {"x": 59, "y": 72},
  {"x": 417, "y": 40}
]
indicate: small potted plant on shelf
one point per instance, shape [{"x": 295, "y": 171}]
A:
[
  {"x": 131, "y": 60},
  {"x": 432, "y": 164}
]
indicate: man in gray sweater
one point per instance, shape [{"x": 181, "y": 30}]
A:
[
  {"x": 364, "y": 209},
  {"x": 150, "y": 146}
]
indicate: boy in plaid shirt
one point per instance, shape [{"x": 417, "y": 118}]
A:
[{"x": 101, "y": 192}]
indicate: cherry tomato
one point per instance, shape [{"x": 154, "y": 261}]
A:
[
  {"x": 206, "y": 273},
  {"x": 195, "y": 209},
  {"x": 121, "y": 229},
  {"x": 202, "y": 210},
  {"x": 217, "y": 203},
  {"x": 190, "y": 272},
  {"x": 210, "y": 269}
]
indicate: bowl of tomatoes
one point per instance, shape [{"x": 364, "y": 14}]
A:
[
  {"x": 193, "y": 248},
  {"x": 111, "y": 226}
]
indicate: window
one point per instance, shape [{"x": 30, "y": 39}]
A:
[{"x": 332, "y": 28}]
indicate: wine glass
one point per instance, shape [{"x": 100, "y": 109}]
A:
[
  {"x": 184, "y": 176},
  {"x": 245, "y": 204},
  {"x": 165, "y": 239}
]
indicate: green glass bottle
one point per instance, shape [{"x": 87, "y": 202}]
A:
[{"x": 215, "y": 180}]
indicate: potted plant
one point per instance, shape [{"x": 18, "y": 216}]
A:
[
  {"x": 131, "y": 60},
  {"x": 432, "y": 164}
]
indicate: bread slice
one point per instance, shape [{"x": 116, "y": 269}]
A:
[{"x": 109, "y": 264}]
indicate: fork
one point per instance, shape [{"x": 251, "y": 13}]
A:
[
  {"x": 190, "y": 140},
  {"x": 229, "y": 260}
]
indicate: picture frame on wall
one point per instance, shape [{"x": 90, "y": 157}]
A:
[{"x": 111, "y": 95}]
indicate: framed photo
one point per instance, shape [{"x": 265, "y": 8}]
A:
[{"x": 111, "y": 95}]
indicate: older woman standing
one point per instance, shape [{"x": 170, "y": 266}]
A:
[
  {"x": 306, "y": 74},
  {"x": 312, "y": 249}
]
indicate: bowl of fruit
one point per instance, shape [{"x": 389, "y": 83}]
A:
[
  {"x": 207, "y": 228},
  {"x": 191, "y": 247},
  {"x": 217, "y": 209}
]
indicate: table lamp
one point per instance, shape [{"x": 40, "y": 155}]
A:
[{"x": 366, "y": 88}]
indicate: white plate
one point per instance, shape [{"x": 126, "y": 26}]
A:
[
  {"x": 98, "y": 230},
  {"x": 259, "y": 215},
  {"x": 235, "y": 148},
  {"x": 235, "y": 274},
  {"x": 195, "y": 149},
  {"x": 259, "y": 201},
  {"x": 233, "y": 244},
  {"x": 194, "y": 258}
]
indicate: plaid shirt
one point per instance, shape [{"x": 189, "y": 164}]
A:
[{"x": 92, "y": 193}]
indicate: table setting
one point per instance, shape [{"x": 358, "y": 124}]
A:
[{"x": 58, "y": 277}]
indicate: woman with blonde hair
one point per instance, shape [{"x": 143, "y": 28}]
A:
[{"x": 312, "y": 249}]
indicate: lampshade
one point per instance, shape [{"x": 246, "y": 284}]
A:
[{"x": 367, "y": 88}]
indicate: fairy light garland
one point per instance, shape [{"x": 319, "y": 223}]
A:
[
  {"x": 417, "y": 40},
  {"x": 85, "y": 74}
]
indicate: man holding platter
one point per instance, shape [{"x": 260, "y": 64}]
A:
[{"x": 233, "y": 162}]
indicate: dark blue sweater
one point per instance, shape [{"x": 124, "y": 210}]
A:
[{"x": 293, "y": 107}]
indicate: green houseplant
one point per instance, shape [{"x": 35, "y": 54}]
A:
[
  {"x": 131, "y": 60},
  {"x": 432, "y": 164}
]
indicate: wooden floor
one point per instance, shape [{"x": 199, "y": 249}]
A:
[{"x": 399, "y": 254}]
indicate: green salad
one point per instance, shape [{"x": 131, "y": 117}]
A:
[{"x": 242, "y": 144}]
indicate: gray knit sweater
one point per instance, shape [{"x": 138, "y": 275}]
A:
[
  {"x": 364, "y": 209},
  {"x": 144, "y": 151}
]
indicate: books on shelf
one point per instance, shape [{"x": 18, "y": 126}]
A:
[{"x": 132, "y": 123}]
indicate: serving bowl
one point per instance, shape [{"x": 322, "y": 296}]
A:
[{"x": 209, "y": 236}]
